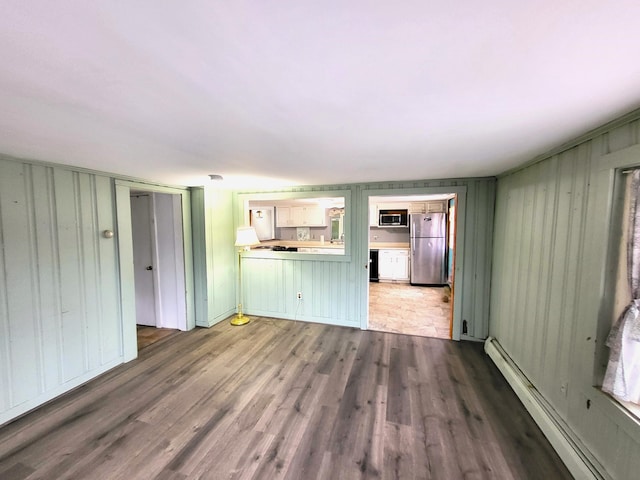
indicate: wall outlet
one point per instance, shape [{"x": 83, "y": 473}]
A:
[{"x": 299, "y": 295}]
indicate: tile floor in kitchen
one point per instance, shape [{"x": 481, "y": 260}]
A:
[{"x": 407, "y": 309}]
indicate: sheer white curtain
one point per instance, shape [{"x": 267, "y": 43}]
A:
[{"x": 622, "y": 379}]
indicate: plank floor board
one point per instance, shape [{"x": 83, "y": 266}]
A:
[{"x": 291, "y": 400}]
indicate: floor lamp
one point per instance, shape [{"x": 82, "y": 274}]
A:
[{"x": 245, "y": 238}]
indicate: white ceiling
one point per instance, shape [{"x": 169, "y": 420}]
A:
[{"x": 336, "y": 91}]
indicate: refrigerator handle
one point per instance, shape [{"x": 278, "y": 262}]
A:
[{"x": 413, "y": 239}]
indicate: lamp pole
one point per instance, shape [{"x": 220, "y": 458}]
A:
[{"x": 240, "y": 319}]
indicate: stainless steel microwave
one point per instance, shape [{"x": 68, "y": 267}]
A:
[{"x": 393, "y": 218}]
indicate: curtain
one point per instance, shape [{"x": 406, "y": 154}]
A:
[{"x": 622, "y": 378}]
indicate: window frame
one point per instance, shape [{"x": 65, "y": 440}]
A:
[
  {"x": 608, "y": 203},
  {"x": 616, "y": 275},
  {"x": 243, "y": 219}
]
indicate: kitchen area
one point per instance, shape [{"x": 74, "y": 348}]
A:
[
  {"x": 411, "y": 250},
  {"x": 310, "y": 225}
]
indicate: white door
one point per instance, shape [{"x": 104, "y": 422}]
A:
[{"x": 143, "y": 241}]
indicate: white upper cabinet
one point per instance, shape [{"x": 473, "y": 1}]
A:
[
  {"x": 428, "y": 207},
  {"x": 310, "y": 216},
  {"x": 418, "y": 207},
  {"x": 373, "y": 215},
  {"x": 283, "y": 217},
  {"x": 433, "y": 207}
]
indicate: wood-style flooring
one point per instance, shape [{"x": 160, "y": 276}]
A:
[
  {"x": 409, "y": 309},
  {"x": 291, "y": 400},
  {"x": 150, "y": 335}
]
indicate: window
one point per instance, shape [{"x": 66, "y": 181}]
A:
[{"x": 622, "y": 377}]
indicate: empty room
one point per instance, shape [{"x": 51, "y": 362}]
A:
[{"x": 343, "y": 240}]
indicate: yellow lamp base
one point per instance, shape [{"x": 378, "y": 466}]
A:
[{"x": 240, "y": 319}]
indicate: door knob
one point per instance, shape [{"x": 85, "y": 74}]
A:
[{"x": 149, "y": 267}]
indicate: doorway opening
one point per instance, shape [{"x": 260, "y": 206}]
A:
[
  {"x": 158, "y": 262},
  {"x": 147, "y": 336},
  {"x": 411, "y": 273}
]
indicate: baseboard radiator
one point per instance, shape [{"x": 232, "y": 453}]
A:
[{"x": 571, "y": 450}]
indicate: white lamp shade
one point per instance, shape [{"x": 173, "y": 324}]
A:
[{"x": 246, "y": 236}]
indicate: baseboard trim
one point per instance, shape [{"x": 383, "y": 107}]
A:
[
  {"x": 24, "y": 408},
  {"x": 571, "y": 450}
]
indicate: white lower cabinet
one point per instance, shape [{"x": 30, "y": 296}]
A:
[{"x": 393, "y": 265}]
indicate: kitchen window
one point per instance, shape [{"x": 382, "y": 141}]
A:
[{"x": 622, "y": 377}]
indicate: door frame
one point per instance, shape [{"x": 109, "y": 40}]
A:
[
  {"x": 125, "y": 255},
  {"x": 456, "y": 287}
]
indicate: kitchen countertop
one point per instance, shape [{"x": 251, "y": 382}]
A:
[
  {"x": 326, "y": 244},
  {"x": 389, "y": 245},
  {"x": 298, "y": 243}
]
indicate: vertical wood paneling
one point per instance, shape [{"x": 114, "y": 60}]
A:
[
  {"x": 215, "y": 257},
  {"x": 469, "y": 263},
  {"x": 110, "y": 306},
  {"x": 33, "y": 270},
  {"x": 49, "y": 287},
  {"x": 528, "y": 264},
  {"x": 498, "y": 314},
  {"x": 484, "y": 244},
  {"x": 71, "y": 281},
  {"x": 198, "y": 232},
  {"x": 478, "y": 254},
  {"x": 129, "y": 344},
  {"x": 88, "y": 236},
  {"x": 221, "y": 254},
  {"x": 22, "y": 353},
  {"x": 547, "y": 276},
  {"x": 544, "y": 180},
  {"x": 270, "y": 287},
  {"x": 534, "y": 298},
  {"x": 547, "y": 237},
  {"x": 5, "y": 340},
  {"x": 60, "y": 321},
  {"x": 553, "y": 373},
  {"x": 517, "y": 198},
  {"x": 262, "y": 285}
]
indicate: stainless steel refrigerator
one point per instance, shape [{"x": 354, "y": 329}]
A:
[{"x": 428, "y": 237}]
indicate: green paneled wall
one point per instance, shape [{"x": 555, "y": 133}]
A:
[
  {"x": 59, "y": 294},
  {"x": 214, "y": 254},
  {"x": 551, "y": 233}
]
